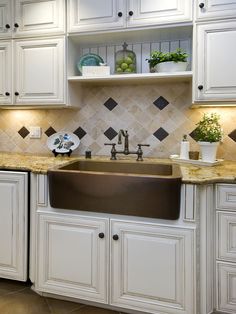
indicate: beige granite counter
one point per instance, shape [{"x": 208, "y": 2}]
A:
[{"x": 224, "y": 172}]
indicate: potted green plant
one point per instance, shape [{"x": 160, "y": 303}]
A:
[
  {"x": 168, "y": 62},
  {"x": 208, "y": 134}
]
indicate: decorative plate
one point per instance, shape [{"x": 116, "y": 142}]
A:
[
  {"x": 63, "y": 142},
  {"x": 89, "y": 59}
]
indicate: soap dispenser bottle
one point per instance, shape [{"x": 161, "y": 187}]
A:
[{"x": 184, "y": 148}]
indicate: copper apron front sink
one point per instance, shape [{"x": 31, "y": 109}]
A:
[{"x": 117, "y": 187}]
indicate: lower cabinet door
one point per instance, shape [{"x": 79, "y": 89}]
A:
[
  {"x": 226, "y": 287},
  {"x": 152, "y": 268},
  {"x": 73, "y": 256},
  {"x": 13, "y": 225}
]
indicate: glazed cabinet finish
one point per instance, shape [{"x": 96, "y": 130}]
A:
[
  {"x": 214, "y": 78},
  {"x": 6, "y": 72},
  {"x": 149, "y": 12},
  {"x": 32, "y": 17},
  {"x": 5, "y": 18},
  {"x": 13, "y": 225},
  {"x": 152, "y": 268},
  {"x": 89, "y": 15},
  {"x": 215, "y": 9},
  {"x": 226, "y": 248},
  {"x": 40, "y": 71},
  {"x": 72, "y": 258}
]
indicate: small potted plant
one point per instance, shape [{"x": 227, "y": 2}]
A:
[
  {"x": 208, "y": 134},
  {"x": 168, "y": 62}
]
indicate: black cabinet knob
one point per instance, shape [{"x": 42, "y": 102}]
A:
[
  {"x": 7, "y": 94},
  {"x": 101, "y": 235},
  {"x": 201, "y": 5},
  {"x": 7, "y": 26},
  {"x": 17, "y": 94},
  {"x": 200, "y": 87},
  {"x": 120, "y": 14},
  {"x": 115, "y": 237},
  {"x": 16, "y": 25},
  {"x": 131, "y": 13}
]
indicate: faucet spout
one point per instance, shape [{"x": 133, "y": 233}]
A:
[{"x": 126, "y": 143}]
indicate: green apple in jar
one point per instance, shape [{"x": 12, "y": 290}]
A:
[
  {"x": 119, "y": 70},
  {"x": 124, "y": 66}
]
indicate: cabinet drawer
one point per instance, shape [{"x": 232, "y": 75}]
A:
[
  {"x": 226, "y": 287},
  {"x": 226, "y": 196},
  {"x": 226, "y": 233}
]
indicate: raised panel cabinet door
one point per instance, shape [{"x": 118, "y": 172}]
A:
[
  {"x": 215, "y": 78},
  {"x": 149, "y": 12},
  {"x": 5, "y": 18},
  {"x": 40, "y": 71},
  {"x": 5, "y": 72},
  {"x": 226, "y": 287},
  {"x": 215, "y": 9},
  {"x": 226, "y": 236},
  {"x": 38, "y": 17},
  {"x": 13, "y": 225},
  {"x": 152, "y": 268},
  {"x": 73, "y": 257},
  {"x": 93, "y": 15}
]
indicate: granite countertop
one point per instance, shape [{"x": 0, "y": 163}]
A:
[{"x": 223, "y": 172}]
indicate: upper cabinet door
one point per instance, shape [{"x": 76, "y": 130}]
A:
[
  {"x": 37, "y": 17},
  {"x": 149, "y": 12},
  {"x": 215, "y": 78},
  {"x": 40, "y": 71},
  {"x": 210, "y": 9},
  {"x": 5, "y": 73},
  {"x": 5, "y": 18},
  {"x": 93, "y": 15}
]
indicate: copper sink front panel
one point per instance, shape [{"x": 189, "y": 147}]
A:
[{"x": 142, "y": 196}]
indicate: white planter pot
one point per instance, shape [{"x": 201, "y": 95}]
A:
[
  {"x": 208, "y": 151},
  {"x": 171, "y": 66}
]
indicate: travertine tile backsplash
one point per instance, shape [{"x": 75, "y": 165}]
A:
[{"x": 155, "y": 114}]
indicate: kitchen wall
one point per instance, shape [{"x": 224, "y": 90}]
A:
[{"x": 155, "y": 114}]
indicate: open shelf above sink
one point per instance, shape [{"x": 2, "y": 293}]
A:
[{"x": 139, "y": 78}]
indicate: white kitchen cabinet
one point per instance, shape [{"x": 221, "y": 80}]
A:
[
  {"x": 6, "y": 72},
  {"x": 21, "y": 18},
  {"x": 5, "y": 18},
  {"x": 152, "y": 268},
  {"x": 73, "y": 256},
  {"x": 39, "y": 71},
  {"x": 226, "y": 287},
  {"x": 215, "y": 9},
  {"x": 89, "y": 15},
  {"x": 214, "y": 77},
  {"x": 149, "y": 12},
  {"x": 226, "y": 248},
  {"x": 13, "y": 225}
]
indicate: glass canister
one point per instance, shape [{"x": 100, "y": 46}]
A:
[{"x": 125, "y": 61}]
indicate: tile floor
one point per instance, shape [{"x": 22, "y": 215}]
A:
[{"x": 18, "y": 298}]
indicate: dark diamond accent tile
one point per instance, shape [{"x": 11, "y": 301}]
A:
[
  {"x": 161, "y": 134},
  {"x": 193, "y": 134},
  {"x": 80, "y": 132},
  {"x": 23, "y": 132},
  {"x": 110, "y": 133},
  {"x": 110, "y": 104},
  {"x": 161, "y": 102},
  {"x": 232, "y": 135},
  {"x": 50, "y": 131}
]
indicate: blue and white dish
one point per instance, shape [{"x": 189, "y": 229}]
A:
[
  {"x": 89, "y": 59},
  {"x": 63, "y": 142}
]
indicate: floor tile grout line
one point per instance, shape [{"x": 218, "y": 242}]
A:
[{"x": 48, "y": 305}]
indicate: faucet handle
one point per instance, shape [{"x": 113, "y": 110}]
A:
[
  {"x": 140, "y": 145},
  {"x": 111, "y": 144},
  {"x": 140, "y": 152},
  {"x": 113, "y": 150}
]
